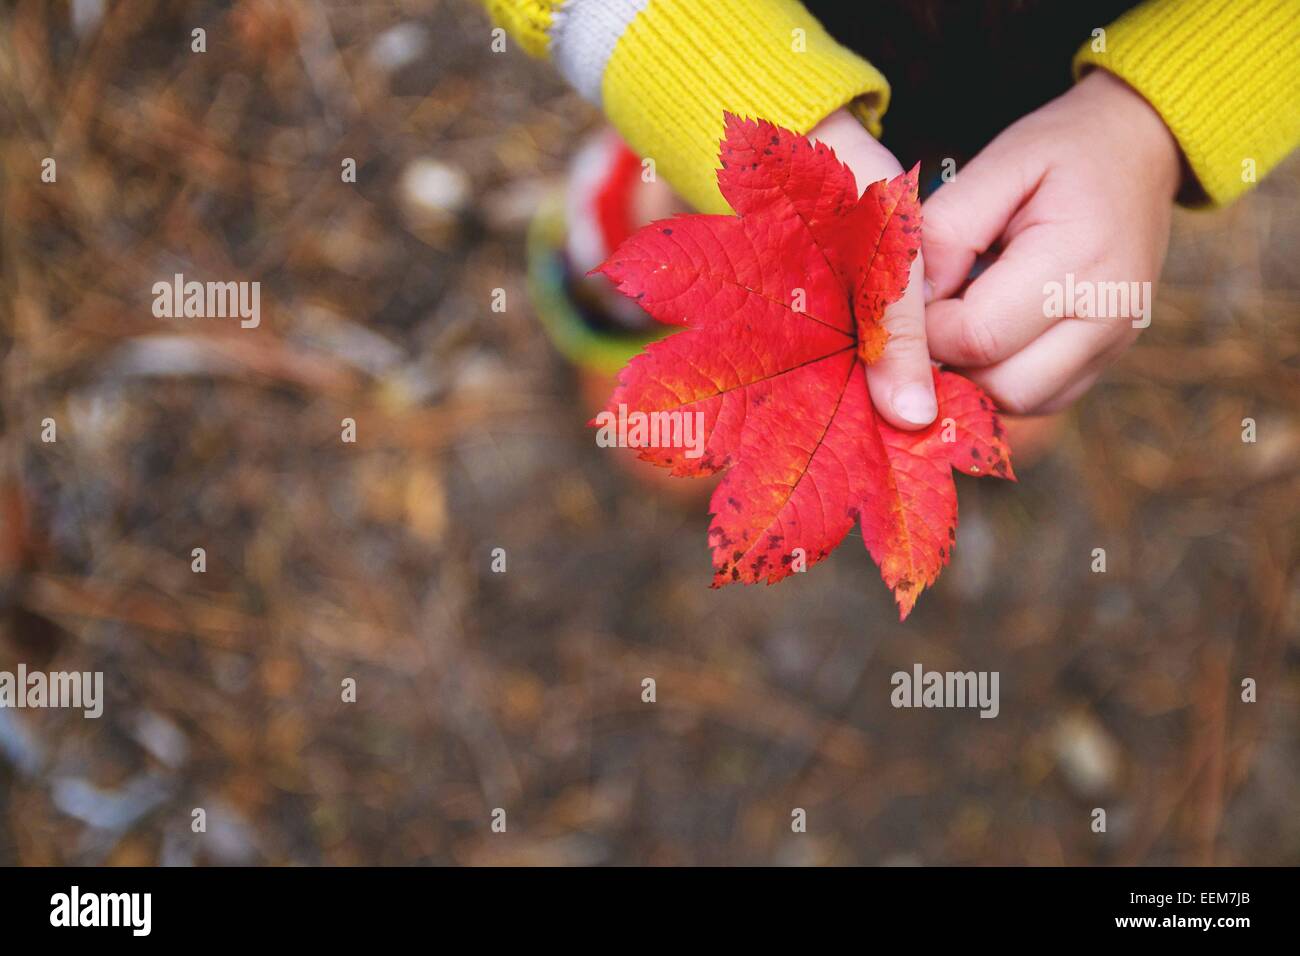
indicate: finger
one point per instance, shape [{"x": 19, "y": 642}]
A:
[
  {"x": 1091, "y": 371},
  {"x": 1004, "y": 309},
  {"x": 1051, "y": 365},
  {"x": 901, "y": 381},
  {"x": 967, "y": 215},
  {"x": 1071, "y": 393}
]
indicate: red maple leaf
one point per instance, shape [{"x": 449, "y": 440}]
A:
[{"x": 782, "y": 310}]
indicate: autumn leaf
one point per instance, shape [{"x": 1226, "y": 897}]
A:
[{"x": 781, "y": 309}]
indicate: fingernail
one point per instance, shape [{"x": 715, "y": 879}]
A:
[
  {"x": 915, "y": 403},
  {"x": 927, "y": 291}
]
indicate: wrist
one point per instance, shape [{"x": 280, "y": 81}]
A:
[
  {"x": 856, "y": 148},
  {"x": 1135, "y": 123}
]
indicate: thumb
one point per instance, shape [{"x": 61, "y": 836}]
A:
[{"x": 901, "y": 381}]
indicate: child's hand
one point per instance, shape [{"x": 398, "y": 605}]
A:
[
  {"x": 1083, "y": 185},
  {"x": 900, "y": 381}
]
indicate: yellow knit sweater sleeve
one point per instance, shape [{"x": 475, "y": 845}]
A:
[
  {"x": 665, "y": 70},
  {"x": 1224, "y": 75}
]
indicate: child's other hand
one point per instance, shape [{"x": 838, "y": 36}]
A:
[
  {"x": 900, "y": 381},
  {"x": 1083, "y": 185}
]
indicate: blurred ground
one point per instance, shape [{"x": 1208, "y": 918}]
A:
[{"x": 522, "y": 690}]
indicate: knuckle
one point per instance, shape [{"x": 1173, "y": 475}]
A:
[
  {"x": 907, "y": 334},
  {"x": 1093, "y": 253},
  {"x": 976, "y": 343},
  {"x": 1012, "y": 401},
  {"x": 939, "y": 232}
]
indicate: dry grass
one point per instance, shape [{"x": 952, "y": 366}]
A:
[{"x": 522, "y": 691}]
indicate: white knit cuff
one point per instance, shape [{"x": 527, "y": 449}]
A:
[{"x": 583, "y": 35}]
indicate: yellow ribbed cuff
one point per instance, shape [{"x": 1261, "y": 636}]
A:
[
  {"x": 1223, "y": 74},
  {"x": 528, "y": 21},
  {"x": 681, "y": 63}
]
